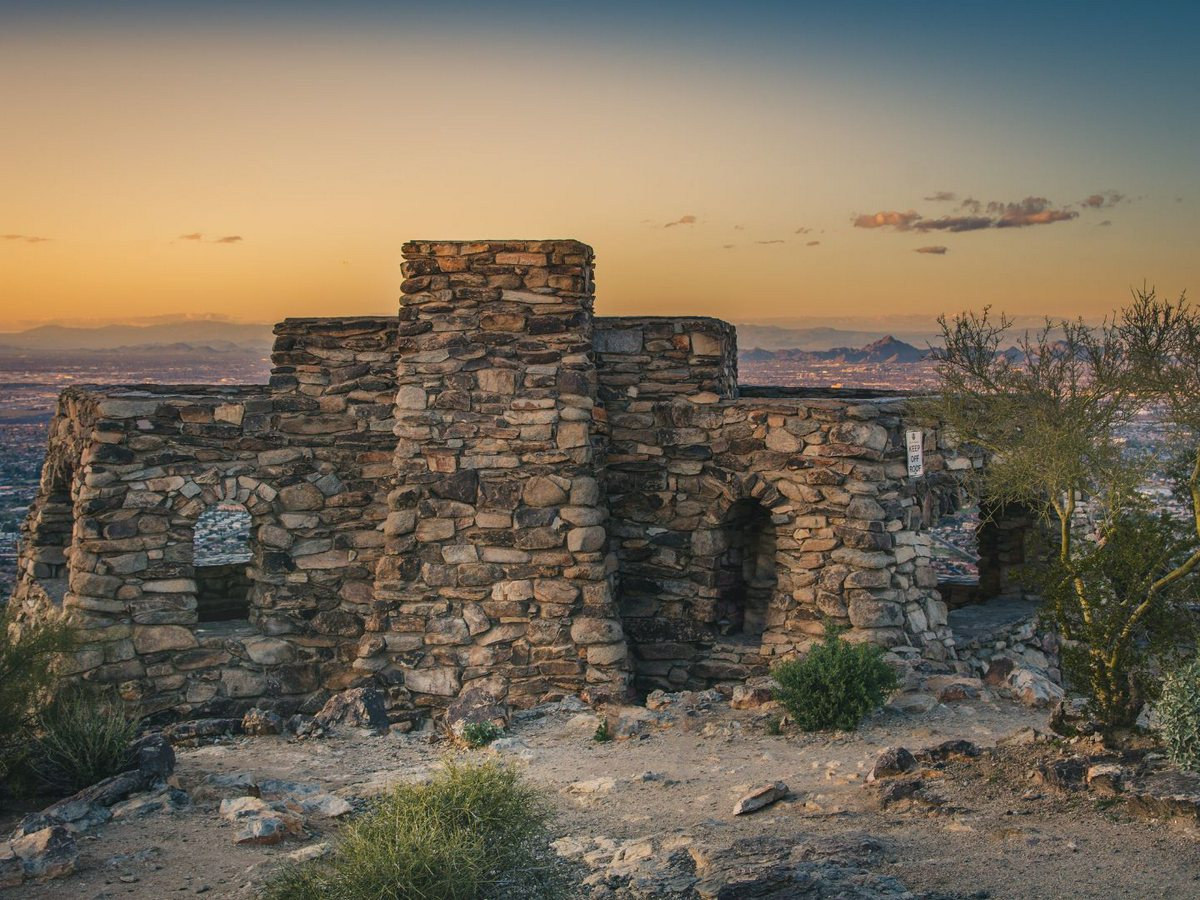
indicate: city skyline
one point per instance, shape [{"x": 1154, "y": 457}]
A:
[{"x": 776, "y": 162}]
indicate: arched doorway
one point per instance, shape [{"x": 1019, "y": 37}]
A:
[{"x": 746, "y": 575}]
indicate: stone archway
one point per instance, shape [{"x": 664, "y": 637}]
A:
[{"x": 226, "y": 593}]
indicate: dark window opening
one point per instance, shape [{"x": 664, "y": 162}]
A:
[
  {"x": 221, "y": 560},
  {"x": 977, "y": 553},
  {"x": 746, "y": 576}
]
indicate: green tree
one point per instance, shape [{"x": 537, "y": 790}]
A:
[{"x": 1048, "y": 412}]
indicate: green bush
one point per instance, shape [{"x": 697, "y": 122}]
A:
[
  {"x": 602, "y": 735},
  {"x": 1179, "y": 716},
  {"x": 83, "y": 737},
  {"x": 26, "y": 678},
  {"x": 835, "y": 685},
  {"x": 480, "y": 734},
  {"x": 474, "y": 831}
]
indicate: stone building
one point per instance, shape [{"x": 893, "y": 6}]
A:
[{"x": 495, "y": 489}]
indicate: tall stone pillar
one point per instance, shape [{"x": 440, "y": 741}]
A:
[{"x": 496, "y": 573}]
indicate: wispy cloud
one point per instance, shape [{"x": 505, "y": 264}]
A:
[
  {"x": 802, "y": 230},
  {"x": 199, "y": 238},
  {"x": 812, "y": 243},
  {"x": 728, "y": 246},
  {"x": 682, "y": 220},
  {"x": 1103, "y": 224},
  {"x": 901, "y": 221},
  {"x": 776, "y": 241},
  {"x": 1102, "y": 200},
  {"x": 977, "y": 217},
  {"x": 935, "y": 249},
  {"x": 26, "y": 238},
  {"x": 955, "y": 223},
  {"x": 942, "y": 197}
]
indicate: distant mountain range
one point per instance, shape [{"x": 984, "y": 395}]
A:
[
  {"x": 182, "y": 336},
  {"x": 885, "y": 350}
]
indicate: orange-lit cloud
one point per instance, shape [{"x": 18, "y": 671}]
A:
[
  {"x": 1021, "y": 214},
  {"x": 229, "y": 239},
  {"x": 1030, "y": 211},
  {"x": 812, "y": 243},
  {"x": 901, "y": 221},
  {"x": 26, "y": 238},
  {"x": 770, "y": 242},
  {"x": 682, "y": 220},
  {"x": 935, "y": 249}
]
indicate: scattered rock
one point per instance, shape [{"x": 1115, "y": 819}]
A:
[
  {"x": 262, "y": 822},
  {"x": 302, "y": 726},
  {"x": 153, "y": 755},
  {"x": 311, "y": 852},
  {"x": 1065, "y": 774},
  {"x": 592, "y": 786},
  {"x": 475, "y": 706},
  {"x": 1165, "y": 795},
  {"x": 197, "y": 729},
  {"x": 954, "y": 749},
  {"x": 1105, "y": 779},
  {"x": 754, "y": 693},
  {"x": 892, "y": 761},
  {"x": 45, "y": 854},
  {"x": 259, "y": 722},
  {"x": 913, "y": 702},
  {"x": 895, "y": 790},
  {"x": 166, "y": 800},
  {"x": 760, "y": 798},
  {"x": 356, "y": 708},
  {"x": 1034, "y": 687}
]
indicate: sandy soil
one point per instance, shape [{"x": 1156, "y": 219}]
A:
[{"x": 997, "y": 835}]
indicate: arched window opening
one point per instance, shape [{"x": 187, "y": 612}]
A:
[
  {"x": 221, "y": 557},
  {"x": 746, "y": 575}
]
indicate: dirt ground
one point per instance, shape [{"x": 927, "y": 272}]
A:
[{"x": 998, "y": 834}]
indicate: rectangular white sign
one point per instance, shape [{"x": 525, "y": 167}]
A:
[{"x": 915, "y": 440}]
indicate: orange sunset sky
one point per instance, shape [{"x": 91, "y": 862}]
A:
[{"x": 747, "y": 162}]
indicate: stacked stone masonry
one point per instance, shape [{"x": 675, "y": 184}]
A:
[{"x": 493, "y": 489}]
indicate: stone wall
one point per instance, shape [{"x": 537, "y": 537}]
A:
[
  {"x": 642, "y": 358},
  {"x": 493, "y": 489},
  {"x": 496, "y": 572},
  {"x": 831, "y": 474}
]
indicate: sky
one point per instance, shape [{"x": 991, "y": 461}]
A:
[{"x": 743, "y": 160}]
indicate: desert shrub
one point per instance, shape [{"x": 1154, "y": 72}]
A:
[
  {"x": 83, "y": 736},
  {"x": 474, "y": 831},
  {"x": 602, "y": 734},
  {"x": 26, "y": 679},
  {"x": 480, "y": 734},
  {"x": 835, "y": 685},
  {"x": 1179, "y": 716}
]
